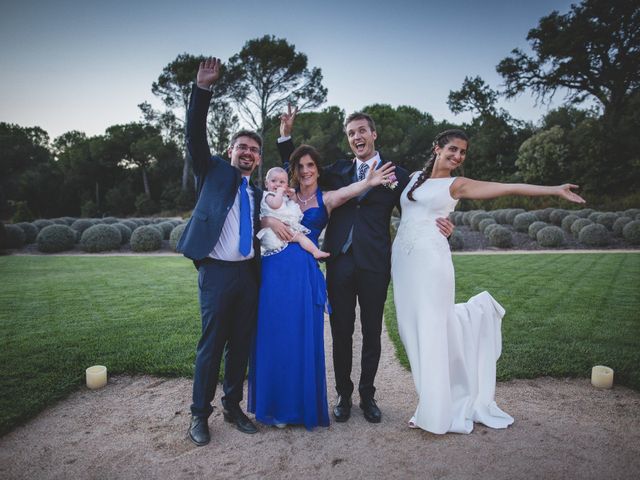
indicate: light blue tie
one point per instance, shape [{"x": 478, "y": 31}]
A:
[{"x": 245, "y": 219}]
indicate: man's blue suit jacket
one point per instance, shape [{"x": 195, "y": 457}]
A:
[{"x": 217, "y": 183}]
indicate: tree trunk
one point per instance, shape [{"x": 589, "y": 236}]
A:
[{"x": 145, "y": 181}]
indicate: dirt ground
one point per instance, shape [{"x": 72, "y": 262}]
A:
[{"x": 135, "y": 428}]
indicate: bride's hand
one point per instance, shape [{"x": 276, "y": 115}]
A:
[
  {"x": 565, "y": 192},
  {"x": 381, "y": 175}
]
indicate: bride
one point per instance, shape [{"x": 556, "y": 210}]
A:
[{"x": 452, "y": 348}]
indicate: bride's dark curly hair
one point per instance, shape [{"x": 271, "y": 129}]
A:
[{"x": 440, "y": 141}]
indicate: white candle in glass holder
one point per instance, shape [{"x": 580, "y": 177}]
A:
[
  {"x": 601, "y": 376},
  {"x": 96, "y": 376}
]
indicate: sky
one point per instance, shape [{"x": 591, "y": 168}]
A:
[{"x": 86, "y": 65}]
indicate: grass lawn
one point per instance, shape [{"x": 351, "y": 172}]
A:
[
  {"x": 565, "y": 312},
  {"x": 59, "y": 315}
]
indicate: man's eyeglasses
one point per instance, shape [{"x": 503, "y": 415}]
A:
[{"x": 241, "y": 147}]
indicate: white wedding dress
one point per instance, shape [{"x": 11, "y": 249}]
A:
[{"x": 452, "y": 348}]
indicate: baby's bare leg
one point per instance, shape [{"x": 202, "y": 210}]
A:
[{"x": 309, "y": 246}]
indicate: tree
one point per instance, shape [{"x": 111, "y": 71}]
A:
[
  {"x": 593, "y": 52},
  {"x": 268, "y": 74},
  {"x": 475, "y": 95}
]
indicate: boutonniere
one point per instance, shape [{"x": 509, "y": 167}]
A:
[{"x": 391, "y": 183}]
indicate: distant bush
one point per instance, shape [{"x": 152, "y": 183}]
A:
[
  {"x": 593, "y": 216},
  {"x": 100, "y": 238},
  {"x": 81, "y": 225},
  {"x": 145, "y": 205},
  {"x": 456, "y": 242},
  {"x": 631, "y": 232},
  {"x": 568, "y": 221},
  {"x": 632, "y": 212},
  {"x": 522, "y": 221},
  {"x": 41, "y": 223},
  {"x": 30, "y": 231},
  {"x": 557, "y": 215},
  {"x": 109, "y": 220},
  {"x": 500, "y": 216},
  {"x": 584, "y": 213},
  {"x": 500, "y": 237},
  {"x": 125, "y": 232},
  {"x": 466, "y": 216},
  {"x": 512, "y": 213},
  {"x": 166, "y": 228},
  {"x": 484, "y": 223},
  {"x": 476, "y": 218},
  {"x": 176, "y": 233},
  {"x": 550, "y": 236},
  {"x": 456, "y": 218},
  {"x": 607, "y": 219},
  {"x": 579, "y": 225},
  {"x": 146, "y": 239},
  {"x": 619, "y": 225},
  {"x": 595, "y": 235},
  {"x": 56, "y": 238},
  {"x": 543, "y": 215},
  {"x": 131, "y": 224},
  {"x": 14, "y": 236},
  {"x": 535, "y": 227},
  {"x": 488, "y": 228},
  {"x": 22, "y": 213}
]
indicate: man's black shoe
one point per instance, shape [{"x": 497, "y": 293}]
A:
[
  {"x": 342, "y": 410},
  {"x": 371, "y": 411},
  {"x": 236, "y": 416},
  {"x": 199, "y": 431}
]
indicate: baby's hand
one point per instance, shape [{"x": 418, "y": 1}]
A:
[
  {"x": 281, "y": 191},
  {"x": 290, "y": 192}
]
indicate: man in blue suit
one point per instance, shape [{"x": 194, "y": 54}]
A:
[{"x": 220, "y": 239}]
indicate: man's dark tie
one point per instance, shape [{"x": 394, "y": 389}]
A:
[
  {"x": 245, "y": 219},
  {"x": 362, "y": 171}
]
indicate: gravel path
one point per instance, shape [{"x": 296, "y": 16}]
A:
[{"x": 136, "y": 428}]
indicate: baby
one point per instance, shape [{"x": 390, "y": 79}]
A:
[{"x": 276, "y": 203}]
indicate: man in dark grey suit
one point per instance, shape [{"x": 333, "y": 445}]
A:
[{"x": 220, "y": 239}]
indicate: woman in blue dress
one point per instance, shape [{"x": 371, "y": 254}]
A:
[{"x": 287, "y": 383}]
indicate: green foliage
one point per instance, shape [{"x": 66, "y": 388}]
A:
[
  {"x": 125, "y": 232},
  {"x": 619, "y": 224},
  {"x": 30, "y": 232},
  {"x": 41, "y": 223},
  {"x": 551, "y": 236},
  {"x": 607, "y": 219},
  {"x": 568, "y": 221},
  {"x": 487, "y": 230},
  {"x": 176, "y": 233},
  {"x": 595, "y": 235},
  {"x": 544, "y": 214},
  {"x": 483, "y": 224},
  {"x": 89, "y": 209},
  {"x": 14, "y": 236},
  {"x": 522, "y": 221},
  {"x": 56, "y": 238},
  {"x": 535, "y": 227},
  {"x": 477, "y": 218},
  {"x": 100, "y": 238},
  {"x": 579, "y": 225},
  {"x": 81, "y": 225},
  {"x": 511, "y": 214},
  {"x": 557, "y": 215},
  {"x": 146, "y": 239},
  {"x": 22, "y": 212},
  {"x": 543, "y": 157},
  {"x": 165, "y": 228},
  {"x": 594, "y": 216},
  {"x": 631, "y": 232},
  {"x": 500, "y": 237},
  {"x": 145, "y": 205},
  {"x": 585, "y": 212},
  {"x": 456, "y": 217},
  {"x": 131, "y": 224}
]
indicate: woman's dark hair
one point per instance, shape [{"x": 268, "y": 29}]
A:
[
  {"x": 440, "y": 141},
  {"x": 294, "y": 161}
]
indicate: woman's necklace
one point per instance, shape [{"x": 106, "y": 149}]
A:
[{"x": 304, "y": 201}]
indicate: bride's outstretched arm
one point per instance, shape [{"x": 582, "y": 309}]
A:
[{"x": 477, "y": 190}]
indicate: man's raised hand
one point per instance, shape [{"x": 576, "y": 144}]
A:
[
  {"x": 208, "y": 72},
  {"x": 286, "y": 121}
]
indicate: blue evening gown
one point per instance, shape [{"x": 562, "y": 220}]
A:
[{"x": 287, "y": 382}]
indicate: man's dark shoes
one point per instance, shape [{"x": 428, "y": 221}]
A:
[
  {"x": 371, "y": 411},
  {"x": 199, "y": 431},
  {"x": 342, "y": 410},
  {"x": 236, "y": 416}
]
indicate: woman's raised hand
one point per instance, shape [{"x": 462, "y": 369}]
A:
[
  {"x": 382, "y": 175},
  {"x": 208, "y": 72},
  {"x": 565, "y": 192}
]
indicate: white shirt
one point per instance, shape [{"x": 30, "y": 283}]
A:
[{"x": 228, "y": 246}]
